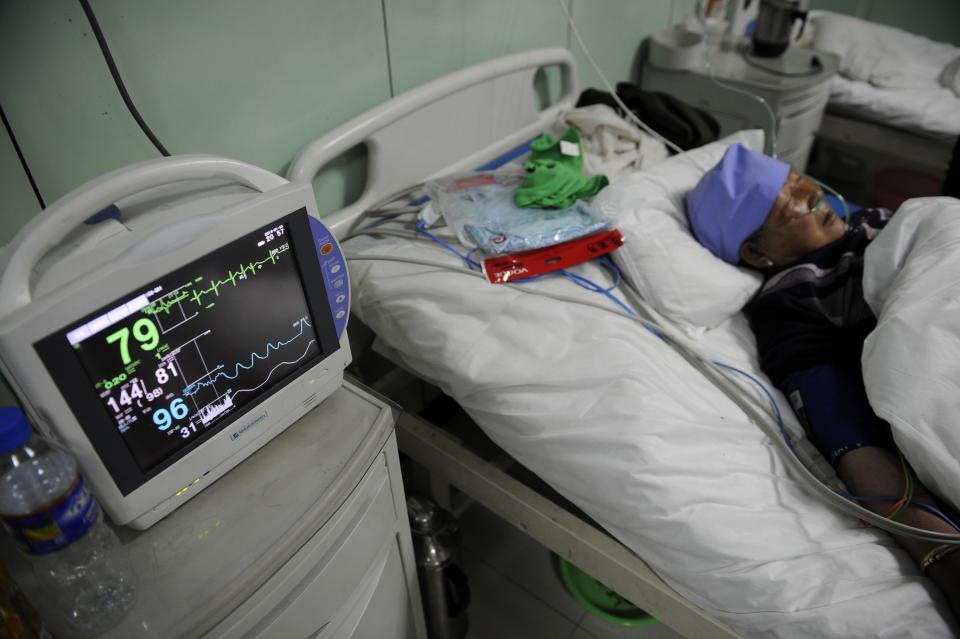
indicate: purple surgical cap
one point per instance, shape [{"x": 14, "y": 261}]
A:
[{"x": 732, "y": 200}]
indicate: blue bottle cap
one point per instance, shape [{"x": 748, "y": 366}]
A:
[{"x": 14, "y": 428}]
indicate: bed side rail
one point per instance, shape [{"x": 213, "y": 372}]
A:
[
  {"x": 589, "y": 548},
  {"x": 456, "y": 122}
]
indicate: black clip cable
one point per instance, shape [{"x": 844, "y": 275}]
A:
[
  {"x": 121, "y": 87},
  {"x": 23, "y": 160}
]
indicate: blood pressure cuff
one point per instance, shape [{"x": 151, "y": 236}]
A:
[{"x": 831, "y": 403}]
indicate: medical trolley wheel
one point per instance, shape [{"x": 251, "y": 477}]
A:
[{"x": 601, "y": 601}]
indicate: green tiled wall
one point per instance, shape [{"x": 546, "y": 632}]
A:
[
  {"x": 430, "y": 38},
  {"x": 936, "y": 19},
  {"x": 256, "y": 80},
  {"x": 19, "y": 201},
  {"x": 242, "y": 78},
  {"x": 613, "y": 31}
]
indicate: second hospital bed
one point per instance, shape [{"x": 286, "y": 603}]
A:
[
  {"x": 681, "y": 503},
  {"x": 889, "y": 117}
]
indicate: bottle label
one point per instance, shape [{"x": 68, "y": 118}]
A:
[{"x": 57, "y": 526}]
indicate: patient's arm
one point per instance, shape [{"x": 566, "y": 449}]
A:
[
  {"x": 832, "y": 404},
  {"x": 874, "y": 471}
]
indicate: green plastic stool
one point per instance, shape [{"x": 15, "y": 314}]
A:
[{"x": 600, "y": 600}]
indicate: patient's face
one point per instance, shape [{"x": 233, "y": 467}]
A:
[{"x": 799, "y": 221}]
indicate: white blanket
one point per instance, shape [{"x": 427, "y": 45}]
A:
[
  {"x": 933, "y": 112},
  {"x": 621, "y": 425},
  {"x": 911, "y": 362}
]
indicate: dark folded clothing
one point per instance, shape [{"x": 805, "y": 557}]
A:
[{"x": 674, "y": 119}]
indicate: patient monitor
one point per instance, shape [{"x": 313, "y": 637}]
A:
[{"x": 165, "y": 340}]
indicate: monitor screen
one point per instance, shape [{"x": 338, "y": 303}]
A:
[{"x": 174, "y": 359}]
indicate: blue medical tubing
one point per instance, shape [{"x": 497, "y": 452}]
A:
[
  {"x": 919, "y": 504},
  {"x": 603, "y": 261},
  {"x": 773, "y": 402},
  {"x": 422, "y": 229},
  {"x": 786, "y": 438},
  {"x": 934, "y": 511},
  {"x": 606, "y": 261},
  {"x": 589, "y": 285}
]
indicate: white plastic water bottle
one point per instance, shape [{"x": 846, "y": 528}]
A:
[{"x": 52, "y": 516}]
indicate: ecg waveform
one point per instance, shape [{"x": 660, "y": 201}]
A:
[
  {"x": 186, "y": 292},
  {"x": 195, "y": 387}
]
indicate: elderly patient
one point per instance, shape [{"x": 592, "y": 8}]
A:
[{"x": 810, "y": 320}]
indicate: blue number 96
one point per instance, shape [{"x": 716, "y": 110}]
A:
[{"x": 164, "y": 417}]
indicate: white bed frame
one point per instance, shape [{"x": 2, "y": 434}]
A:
[{"x": 460, "y": 122}]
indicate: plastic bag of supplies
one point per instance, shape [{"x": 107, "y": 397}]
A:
[{"x": 481, "y": 210}]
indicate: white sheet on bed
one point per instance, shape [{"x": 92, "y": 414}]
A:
[
  {"x": 933, "y": 111},
  {"x": 889, "y": 75},
  {"x": 618, "y": 423},
  {"x": 911, "y": 362}
]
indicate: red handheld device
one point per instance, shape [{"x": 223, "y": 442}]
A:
[{"x": 515, "y": 266}]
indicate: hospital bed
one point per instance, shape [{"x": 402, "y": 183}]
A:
[
  {"x": 868, "y": 128},
  {"x": 660, "y": 485}
]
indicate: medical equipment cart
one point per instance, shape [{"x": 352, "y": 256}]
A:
[
  {"x": 308, "y": 537},
  {"x": 795, "y": 86}
]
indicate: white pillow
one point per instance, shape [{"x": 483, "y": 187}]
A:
[
  {"x": 914, "y": 60},
  {"x": 661, "y": 257}
]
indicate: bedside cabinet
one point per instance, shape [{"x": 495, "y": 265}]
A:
[
  {"x": 794, "y": 85},
  {"x": 306, "y": 538}
]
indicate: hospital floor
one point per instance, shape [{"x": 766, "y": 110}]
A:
[{"x": 516, "y": 592}]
